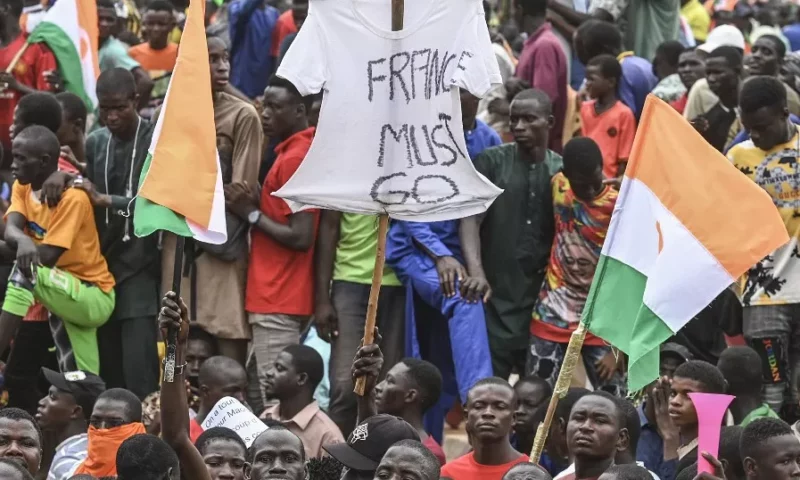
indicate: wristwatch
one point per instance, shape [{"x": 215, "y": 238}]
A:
[{"x": 253, "y": 217}]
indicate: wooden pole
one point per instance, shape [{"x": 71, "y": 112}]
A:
[
  {"x": 172, "y": 333},
  {"x": 398, "y": 13},
  {"x": 16, "y": 58}
]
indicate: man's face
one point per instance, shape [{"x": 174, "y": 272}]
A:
[
  {"x": 779, "y": 460},
  {"x": 117, "y": 112},
  {"x": 763, "y": 58},
  {"x": 281, "y": 379},
  {"x": 299, "y": 13},
  {"x": 225, "y": 460},
  {"x": 197, "y": 352},
  {"x": 530, "y": 396},
  {"x": 767, "y": 126},
  {"x": 681, "y": 408},
  {"x": 280, "y": 112},
  {"x": 668, "y": 365},
  {"x": 490, "y": 412},
  {"x": 722, "y": 79},
  {"x": 401, "y": 463},
  {"x": 530, "y": 124},
  {"x": 27, "y": 164},
  {"x": 157, "y": 25},
  {"x": 278, "y": 454},
  {"x": 220, "y": 64},
  {"x": 691, "y": 68},
  {"x": 228, "y": 384},
  {"x": 593, "y": 430},
  {"x": 20, "y": 442},
  {"x": 109, "y": 413},
  {"x": 106, "y": 22},
  {"x": 597, "y": 84},
  {"x": 70, "y": 131},
  {"x": 391, "y": 394},
  {"x": 56, "y": 410},
  {"x": 469, "y": 109}
]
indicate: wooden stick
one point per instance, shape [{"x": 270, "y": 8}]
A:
[
  {"x": 16, "y": 58},
  {"x": 571, "y": 358},
  {"x": 374, "y": 292},
  {"x": 398, "y": 13}
]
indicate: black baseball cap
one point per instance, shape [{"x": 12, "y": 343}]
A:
[
  {"x": 370, "y": 440},
  {"x": 677, "y": 350},
  {"x": 84, "y": 386}
]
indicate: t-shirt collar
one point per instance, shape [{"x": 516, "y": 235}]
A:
[
  {"x": 286, "y": 144},
  {"x": 545, "y": 27}
]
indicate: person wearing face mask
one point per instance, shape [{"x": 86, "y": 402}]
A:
[
  {"x": 117, "y": 416},
  {"x": 23, "y": 439}
]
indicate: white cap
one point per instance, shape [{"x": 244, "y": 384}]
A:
[{"x": 723, "y": 36}]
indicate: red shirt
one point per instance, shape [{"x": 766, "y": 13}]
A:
[
  {"x": 431, "y": 444},
  {"x": 29, "y": 71},
  {"x": 680, "y": 104},
  {"x": 195, "y": 430},
  {"x": 466, "y": 468},
  {"x": 279, "y": 279},
  {"x": 283, "y": 27},
  {"x": 613, "y": 131}
]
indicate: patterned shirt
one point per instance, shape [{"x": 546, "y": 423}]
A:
[
  {"x": 580, "y": 228},
  {"x": 69, "y": 455}
]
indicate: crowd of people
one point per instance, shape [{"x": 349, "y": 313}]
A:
[{"x": 474, "y": 315}]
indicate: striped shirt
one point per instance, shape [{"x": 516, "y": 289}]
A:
[{"x": 69, "y": 455}]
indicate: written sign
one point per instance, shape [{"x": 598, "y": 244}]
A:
[{"x": 230, "y": 413}]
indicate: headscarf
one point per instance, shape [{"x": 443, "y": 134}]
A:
[{"x": 101, "y": 459}]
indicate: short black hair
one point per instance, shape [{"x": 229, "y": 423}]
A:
[
  {"x": 687, "y": 473},
  {"x": 15, "y": 6},
  {"x": 732, "y": 55},
  {"x": 706, "y": 374},
  {"x": 325, "y": 468},
  {"x": 428, "y": 380},
  {"x": 116, "y": 81},
  {"x": 633, "y": 423},
  {"x": 759, "y": 431},
  {"x": 565, "y": 405},
  {"x": 536, "y": 95},
  {"x": 251, "y": 451},
  {"x": 609, "y": 66},
  {"x": 159, "y": 6},
  {"x": 20, "y": 415},
  {"x": 43, "y": 141},
  {"x": 741, "y": 367},
  {"x": 106, "y": 4},
  {"x": 534, "y": 8},
  {"x": 280, "y": 82},
  {"x": 197, "y": 333},
  {"x": 536, "y": 471},
  {"x": 630, "y": 472},
  {"x": 218, "y": 433},
  {"x": 762, "y": 91},
  {"x": 538, "y": 382},
  {"x": 780, "y": 47},
  {"x": 40, "y": 108},
  {"x": 431, "y": 468},
  {"x": 216, "y": 367},
  {"x": 493, "y": 381},
  {"x": 26, "y": 475},
  {"x": 730, "y": 437},
  {"x": 583, "y": 155},
  {"x": 73, "y": 106},
  {"x": 133, "y": 406},
  {"x": 596, "y": 37},
  {"x": 144, "y": 457},
  {"x": 307, "y": 360},
  {"x": 670, "y": 51}
]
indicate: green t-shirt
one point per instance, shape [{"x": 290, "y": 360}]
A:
[
  {"x": 114, "y": 54},
  {"x": 651, "y": 23},
  {"x": 761, "y": 412},
  {"x": 355, "y": 254}
]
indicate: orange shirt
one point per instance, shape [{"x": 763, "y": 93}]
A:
[
  {"x": 155, "y": 60},
  {"x": 70, "y": 225},
  {"x": 466, "y": 468},
  {"x": 612, "y": 130},
  {"x": 283, "y": 27}
]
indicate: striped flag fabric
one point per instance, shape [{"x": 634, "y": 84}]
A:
[
  {"x": 181, "y": 183},
  {"x": 687, "y": 224},
  {"x": 69, "y": 29}
]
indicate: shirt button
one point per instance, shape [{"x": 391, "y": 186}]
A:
[{"x": 528, "y": 221}]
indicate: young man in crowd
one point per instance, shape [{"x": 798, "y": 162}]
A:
[
  {"x": 252, "y": 23},
  {"x": 289, "y": 22},
  {"x": 34, "y": 70},
  {"x": 542, "y": 62},
  {"x": 117, "y": 416},
  {"x": 557, "y": 457},
  {"x": 292, "y": 380},
  {"x": 770, "y": 451},
  {"x": 766, "y": 58},
  {"x": 508, "y": 246},
  {"x": 741, "y": 367},
  {"x": 527, "y": 471},
  {"x": 408, "y": 458},
  {"x": 65, "y": 413},
  {"x": 72, "y": 132},
  {"x": 157, "y": 56},
  {"x": 625, "y": 472},
  {"x": 691, "y": 68},
  {"x": 114, "y": 54},
  {"x": 199, "y": 348},
  {"x": 724, "y": 76},
  {"x": 280, "y": 288},
  {"x": 532, "y": 392},
  {"x": 217, "y": 303},
  {"x": 146, "y": 456},
  {"x": 58, "y": 253},
  {"x": 582, "y": 206},
  {"x": 23, "y": 439},
  {"x": 277, "y": 452},
  {"x": 224, "y": 453},
  {"x": 218, "y": 377},
  {"x": 490, "y": 417},
  {"x": 665, "y": 66}
]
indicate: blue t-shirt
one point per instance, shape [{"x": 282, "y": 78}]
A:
[
  {"x": 637, "y": 82},
  {"x": 792, "y": 33},
  {"x": 251, "y": 29}
]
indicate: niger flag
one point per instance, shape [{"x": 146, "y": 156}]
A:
[{"x": 181, "y": 184}]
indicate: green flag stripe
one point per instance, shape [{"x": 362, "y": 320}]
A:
[
  {"x": 149, "y": 217},
  {"x": 68, "y": 58}
]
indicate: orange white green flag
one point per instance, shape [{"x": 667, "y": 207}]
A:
[
  {"x": 181, "y": 183},
  {"x": 687, "y": 224}
]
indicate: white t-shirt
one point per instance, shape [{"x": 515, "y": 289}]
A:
[
  {"x": 571, "y": 471},
  {"x": 390, "y": 137}
]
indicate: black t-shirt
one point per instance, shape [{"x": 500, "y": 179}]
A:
[{"x": 719, "y": 120}]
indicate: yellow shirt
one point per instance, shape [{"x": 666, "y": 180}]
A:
[
  {"x": 70, "y": 225},
  {"x": 698, "y": 19}
]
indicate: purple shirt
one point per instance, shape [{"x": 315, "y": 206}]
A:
[
  {"x": 543, "y": 64},
  {"x": 637, "y": 82}
]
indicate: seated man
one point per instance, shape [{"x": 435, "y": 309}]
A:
[
  {"x": 292, "y": 380},
  {"x": 58, "y": 261}
]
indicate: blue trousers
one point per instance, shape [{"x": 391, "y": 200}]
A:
[{"x": 448, "y": 332}]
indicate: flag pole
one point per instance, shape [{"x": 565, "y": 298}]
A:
[
  {"x": 571, "y": 359},
  {"x": 398, "y": 10},
  {"x": 16, "y": 58},
  {"x": 172, "y": 333}
]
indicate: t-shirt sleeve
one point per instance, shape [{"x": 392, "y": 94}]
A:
[
  {"x": 476, "y": 67},
  {"x": 18, "y": 200},
  {"x": 627, "y": 133},
  {"x": 66, "y": 219},
  {"x": 45, "y": 62},
  {"x": 305, "y": 64},
  {"x": 120, "y": 58}
]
